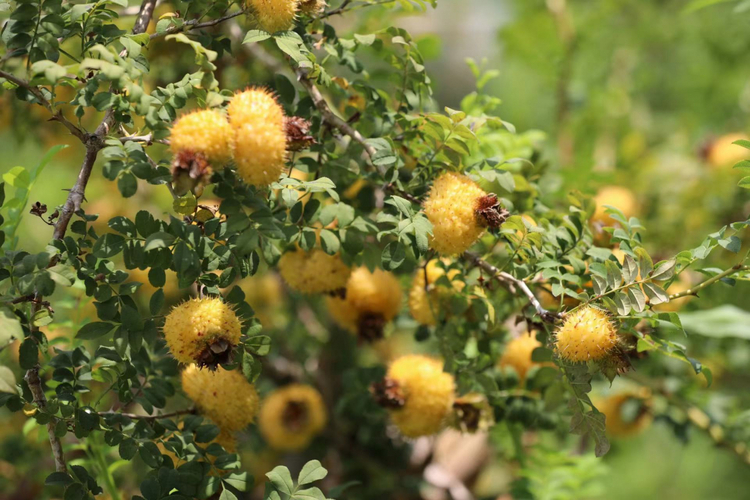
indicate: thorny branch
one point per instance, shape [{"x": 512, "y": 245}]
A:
[
  {"x": 135, "y": 416},
  {"x": 93, "y": 142},
  {"x": 194, "y": 25},
  {"x": 512, "y": 283}
]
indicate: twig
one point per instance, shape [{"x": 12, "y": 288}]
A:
[
  {"x": 513, "y": 283},
  {"x": 334, "y": 12},
  {"x": 56, "y": 115},
  {"x": 135, "y": 416},
  {"x": 194, "y": 25},
  {"x": 697, "y": 288},
  {"x": 94, "y": 143}
]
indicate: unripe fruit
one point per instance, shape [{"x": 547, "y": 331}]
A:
[
  {"x": 314, "y": 271},
  {"x": 292, "y": 416},
  {"x": 586, "y": 334},
  {"x": 202, "y": 331},
  {"x": 517, "y": 354},
  {"x": 723, "y": 152},
  {"x": 260, "y": 139},
  {"x": 275, "y": 15},
  {"x": 616, "y": 196},
  {"x": 372, "y": 300},
  {"x": 424, "y": 301},
  {"x": 627, "y": 413},
  {"x": 206, "y": 132},
  {"x": 226, "y": 397},
  {"x": 419, "y": 395},
  {"x": 460, "y": 212}
]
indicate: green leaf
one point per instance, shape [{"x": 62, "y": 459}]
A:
[
  {"x": 726, "y": 321},
  {"x": 127, "y": 184},
  {"x": 664, "y": 270},
  {"x": 95, "y": 330},
  {"x": 227, "y": 495},
  {"x": 656, "y": 294},
  {"x": 185, "y": 205},
  {"x": 309, "y": 494},
  {"x": 58, "y": 479},
  {"x": 281, "y": 480},
  {"x": 311, "y": 472},
  {"x": 7, "y": 380},
  {"x": 18, "y": 177},
  {"x": 253, "y": 36},
  {"x": 28, "y": 354},
  {"x": 159, "y": 239},
  {"x": 108, "y": 245},
  {"x": 10, "y": 327}
]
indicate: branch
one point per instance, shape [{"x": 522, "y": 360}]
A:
[
  {"x": 76, "y": 195},
  {"x": 135, "y": 416},
  {"x": 511, "y": 282},
  {"x": 56, "y": 115},
  {"x": 329, "y": 116},
  {"x": 697, "y": 288},
  {"x": 194, "y": 25}
]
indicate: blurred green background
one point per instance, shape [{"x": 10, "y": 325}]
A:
[{"x": 643, "y": 94}]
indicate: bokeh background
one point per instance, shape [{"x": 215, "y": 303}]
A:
[{"x": 643, "y": 94}]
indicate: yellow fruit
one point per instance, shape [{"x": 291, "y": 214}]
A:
[
  {"x": 455, "y": 206},
  {"x": 292, "y": 416},
  {"x": 618, "y": 197},
  {"x": 202, "y": 331},
  {"x": 626, "y": 413},
  {"x": 314, "y": 271},
  {"x": 426, "y": 391},
  {"x": 263, "y": 292},
  {"x": 275, "y": 15},
  {"x": 372, "y": 300},
  {"x": 722, "y": 152},
  {"x": 260, "y": 139},
  {"x": 518, "y": 354},
  {"x": 587, "y": 334},
  {"x": 226, "y": 397},
  {"x": 425, "y": 301},
  {"x": 312, "y": 6},
  {"x": 207, "y": 132}
]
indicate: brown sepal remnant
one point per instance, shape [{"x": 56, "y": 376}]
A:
[
  {"x": 370, "y": 327},
  {"x": 339, "y": 293},
  {"x": 472, "y": 413},
  {"x": 215, "y": 354},
  {"x": 490, "y": 212},
  {"x": 387, "y": 393},
  {"x": 297, "y": 133},
  {"x": 295, "y": 415},
  {"x": 190, "y": 172}
]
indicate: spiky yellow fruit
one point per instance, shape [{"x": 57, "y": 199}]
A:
[
  {"x": 424, "y": 301},
  {"x": 226, "y": 397},
  {"x": 460, "y": 212},
  {"x": 586, "y": 334},
  {"x": 615, "y": 196},
  {"x": 425, "y": 393},
  {"x": 207, "y": 132},
  {"x": 314, "y": 271},
  {"x": 312, "y": 6},
  {"x": 202, "y": 331},
  {"x": 274, "y": 15},
  {"x": 723, "y": 152},
  {"x": 292, "y": 416},
  {"x": 260, "y": 139},
  {"x": 627, "y": 413},
  {"x": 517, "y": 354},
  {"x": 372, "y": 300}
]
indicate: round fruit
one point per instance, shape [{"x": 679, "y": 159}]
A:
[
  {"x": 627, "y": 413},
  {"x": 260, "y": 139},
  {"x": 517, "y": 354},
  {"x": 460, "y": 212},
  {"x": 312, "y": 6},
  {"x": 226, "y": 397},
  {"x": 723, "y": 152},
  {"x": 372, "y": 300},
  {"x": 292, "y": 416},
  {"x": 275, "y": 15},
  {"x": 586, "y": 334},
  {"x": 419, "y": 395},
  {"x": 202, "y": 331},
  {"x": 314, "y": 271},
  {"x": 206, "y": 132},
  {"x": 424, "y": 301},
  {"x": 615, "y": 196}
]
